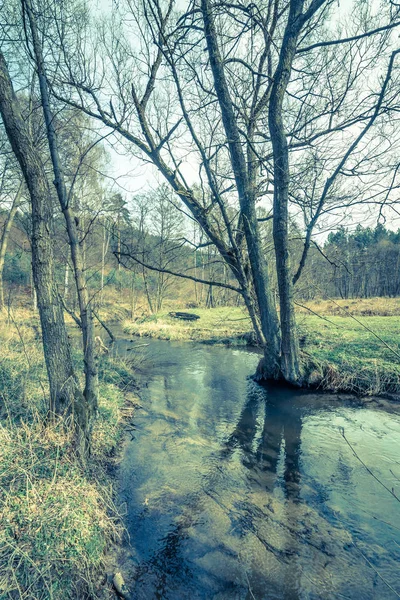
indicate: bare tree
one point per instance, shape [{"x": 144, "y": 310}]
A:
[
  {"x": 274, "y": 96},
  {"x": 65, "y": 394},
  {"x": 86, "y": 317},
  {"x": 164, "y": 248},
  {"x": 8, "y": 223},
  {"x": 11, "y": 194}
]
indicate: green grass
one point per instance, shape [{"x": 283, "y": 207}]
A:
[
  {"x": 351, "y": 357},
  {"x": 338, "y": 352},
  {"x": 57, "y": 518},
  {"x": 343, "y": 338}
]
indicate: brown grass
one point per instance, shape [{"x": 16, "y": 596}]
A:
[
  {"x": 383, "y": 307},
  {"x": 57, "y": 518}
]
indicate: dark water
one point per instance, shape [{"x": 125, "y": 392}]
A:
[{"x": 235, "y": 491}]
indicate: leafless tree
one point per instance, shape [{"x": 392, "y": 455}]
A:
[
  {"x": 65, "y": 394},
  {"x": 240, "y": 106},
  {"x": 11, "y": 198},
  {"x": 85, "y": 309}
]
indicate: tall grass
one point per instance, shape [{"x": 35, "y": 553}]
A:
[{"x": 57, "y": 517}]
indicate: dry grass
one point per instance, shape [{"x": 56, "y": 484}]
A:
[
  {"x": 219, "y": 325},
  {"x": 383, "y": 307},
  {"x": 56, "y": 515},
  {"x": 55, "y": 522}
]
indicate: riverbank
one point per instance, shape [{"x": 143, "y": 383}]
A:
[
  {"x": 352, "y": 353},
  {"x": 57, "y": 517}
]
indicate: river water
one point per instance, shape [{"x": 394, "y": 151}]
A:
[{"x": 234, "y": 491}]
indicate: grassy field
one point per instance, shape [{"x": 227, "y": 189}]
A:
[
  {"x": 57, "y": 518},
  {"x": 349, "y": 357},
  {"x": 338, "y": 351}
]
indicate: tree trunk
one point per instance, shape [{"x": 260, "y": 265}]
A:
[
  {"x": 66, "y": 281},
  {"x": 104, "y": 250},
  {"x": 290, "y": 364},
  {"x": 4, "y": 239},
  {"x": 258, "y": 264},
  {"x": 133, "y": 295},
  {"x": 33, "y": 291},
  {"x": 65, "y": 395},
  {"x": 119, "y": 243},
  {"x": 251, "y": 308},
  {"x": 88, "y": 332}
]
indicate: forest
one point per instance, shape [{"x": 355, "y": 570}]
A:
[{"x": 199, "y": 299}]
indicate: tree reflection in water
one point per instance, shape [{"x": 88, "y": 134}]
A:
[
  {"x": 280, "y": 438},
  {"x": 251, "y": 492}
]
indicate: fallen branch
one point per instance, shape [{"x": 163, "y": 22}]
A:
[{"x": 108, "y": 330}]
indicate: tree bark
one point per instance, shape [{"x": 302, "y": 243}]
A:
[
  {"x": 86, "y": 316},
  {"x": 65, "y": 395},
  {"x": 4, "y": 239},
  {"x": 290, "y": 364},
  {"x": 258, "y": 263}
]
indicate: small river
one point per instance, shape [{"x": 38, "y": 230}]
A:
[{"x": 235, "y": 491}]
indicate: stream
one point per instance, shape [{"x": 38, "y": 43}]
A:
[{"x": 234, "y": 491}]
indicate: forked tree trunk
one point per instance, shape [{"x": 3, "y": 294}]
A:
[
  {"x": 290, "y": 364},
  {"x": 65, "y": 395},
  {"x": 4, "y": 238},
  {"x": 258, "y": 264}
]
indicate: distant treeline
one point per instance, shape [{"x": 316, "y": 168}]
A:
[
  {"x": 361, "y": 263},
  {"x": 355, "y": 264}
]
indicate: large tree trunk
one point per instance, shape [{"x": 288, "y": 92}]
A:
[
  {"x": 65, "y": 395},
  {"x": 258, "y": 263},
  {"x": 85, "y": 309},
  {"x": 290, "y": 364},
  {"x": 4, "y": 238}
]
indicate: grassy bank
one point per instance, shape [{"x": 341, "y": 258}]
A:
[
  {"x": 362, "y": 307},
  {"x": 339, "y": 352},
  {"x": 57, "y": 518},
  {"x": 220, "y": 325},
  {"x": 344, "y": 356}
]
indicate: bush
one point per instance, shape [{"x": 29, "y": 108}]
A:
[{"x": 17, "y": 269}]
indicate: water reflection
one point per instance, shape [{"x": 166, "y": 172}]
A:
[
  {"x": 235, "y": 491},
  {"x": 280, "y": 438}
]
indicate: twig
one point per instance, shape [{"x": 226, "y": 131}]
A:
[
  {"x": 315, "y": 313},
  {"x": 391, "y": 491},
  {"x": 248, "y": 584},
  {"x": 71, "y": 312},
  {"x": 110, "y": 333},
  {"x": 376, "y": 570}
]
